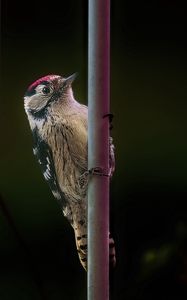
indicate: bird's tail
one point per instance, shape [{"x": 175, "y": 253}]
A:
[{"x": 81, "y": 244}]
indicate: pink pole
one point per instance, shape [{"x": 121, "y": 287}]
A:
[{"x": 98, "y": 148}]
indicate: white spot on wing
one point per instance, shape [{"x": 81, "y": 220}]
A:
[
  {"x": 34, "y": 151},
  {"x": 66, "y": 212},
  {"x": 47, "y": 174},
  {"x": 56, "y": 194}
]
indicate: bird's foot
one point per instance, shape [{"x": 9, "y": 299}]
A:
[{"x": 98, "y": 171}]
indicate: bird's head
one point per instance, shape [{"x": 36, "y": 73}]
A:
[{"x": 46, "y": 92}]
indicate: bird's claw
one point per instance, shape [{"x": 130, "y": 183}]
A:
[{"x": 98, "y": 171}]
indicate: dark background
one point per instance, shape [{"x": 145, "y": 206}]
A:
[{"x": 38, "y": 258}]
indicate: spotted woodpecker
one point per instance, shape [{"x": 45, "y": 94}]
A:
[{"x": 59, "y": 127}]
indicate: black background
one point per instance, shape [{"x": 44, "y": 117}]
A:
[{"x": 38, "y": 258}]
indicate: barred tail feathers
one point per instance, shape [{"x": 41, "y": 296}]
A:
[{"x": 81, "y": 244}]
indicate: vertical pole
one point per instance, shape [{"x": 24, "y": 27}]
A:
[{"x": 98, "y": 148}]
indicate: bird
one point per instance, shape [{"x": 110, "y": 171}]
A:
[{"x": 59, "y": 125}]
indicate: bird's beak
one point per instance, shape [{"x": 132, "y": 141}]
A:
[{"x": 70, "y": 79}]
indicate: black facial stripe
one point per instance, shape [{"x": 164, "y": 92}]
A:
[{"x": 41, "y": 114}]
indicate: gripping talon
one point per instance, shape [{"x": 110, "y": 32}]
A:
[{"x": 98, "y": 171}]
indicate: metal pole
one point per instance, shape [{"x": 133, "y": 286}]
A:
[{"x": 98, "y": 148}]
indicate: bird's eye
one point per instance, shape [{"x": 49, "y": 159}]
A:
[{"x": 46, "y": 90}]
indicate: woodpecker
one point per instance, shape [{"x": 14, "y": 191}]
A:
[{"x": 59, "y": 127}]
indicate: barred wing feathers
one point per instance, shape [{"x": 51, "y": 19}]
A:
[{"x": 45, "y": 159}]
